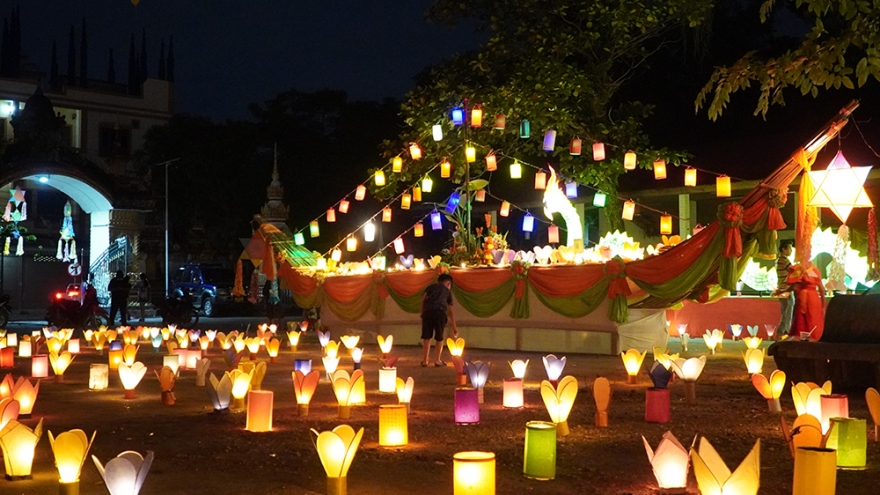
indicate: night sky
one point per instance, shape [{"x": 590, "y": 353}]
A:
[{"x": 232, "y": 52}]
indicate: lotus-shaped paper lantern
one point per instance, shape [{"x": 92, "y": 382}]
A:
[
  {"x": 714, "y": 477},
  {"x": 241, "y": 383},
  {"x": 304, "y": 385},
  {"x": 131, "y": 376},
  {"x": 872, "y": 397},
  {"x": 54, "y": 345},
  {"x": 664, "y": 357},
  {"x": 59, "y": 363},
  {"x": 735, "y": 330},
  {"x": 17, "y": 443},
  {"x": 602, "y": 397},
  {"x": 26, "y": 395},
  {"x": 202, "y": 367},
  {"x": 100, "y": 340},
  {"x": 350, "y": 341},
  {"x": 125, "y": 473},
  {"x": 293, "y": 339},
  {"x": 88, "y": 334},
  {"x": 129, "y": 354},
  {"x": 770, "y": 389},
  {"x": 324, "y": 338},
  {"x": 129, "y": 337},
  {"x": 253, "y": 345},
  {"x": 272, "y": 348},
  {"x": 167, "y": 377},
  {"x": 330, "y": 365},
  {"x": 559, "y": 401},
  {"x": 685, "y": 338},
  {"x": 71, "y": 449},
  {"x": 689, "y": 370},
  {"x": 331, "y": 350},
  {"x": 385, "y": 343},
  {"x": 711, "y": 341},
  {"x": 359, "y": 392},
  {"x": 211, "y": 334},
  {"x": 554, "y": 367},
  {"x": 753, "y": 342},
  {"x": 404, "y": 391},
  {"x": 204, "y": 343},
  {"x": 220, "y": 392},
  {"x": 479, "y": 374},
  {"x": 337, "y": 449},
  {"x": 7, "y": 386},
  {"x": 670, "y": 463},
  {"x": 771, "y": 331},
  {"x": 632, "y": 361},
  {"x": 754, "y": 359},
  {"x": 9, "y": 409},
  {"x": 719, "y": 337},
  {"x": 518, "y": 366},
  {"x": 806, "y": 431},
  {"x": 258, "y": 373},
  {"x": 224, "y": 340},
  {"x": 456, "y": 346},
  {"x": 807, "y": 398},
  {"x": 240, "y": 344},
  {"x": 660, "y": 375},
  {"x": 343, "y": 386}
]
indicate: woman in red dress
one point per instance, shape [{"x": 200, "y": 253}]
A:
[{"x": 809, "y": 314}]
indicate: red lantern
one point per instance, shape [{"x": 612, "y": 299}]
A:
[{"x": 575, "y": 147}]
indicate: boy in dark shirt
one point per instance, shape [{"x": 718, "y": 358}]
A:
[{"x": 436, "y": 304}]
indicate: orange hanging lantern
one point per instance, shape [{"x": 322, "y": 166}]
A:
[
  {"x": 477, "y": 117},
  {"x": 598, "y": 152},
  {"x": 491, "y": 162},
  {"x": 405, "y": 201},
  {"x": 659, "y": 169},
  {"x": 386, "y": 214},
  {"x": 445, "y": 169},
  {"x": 666, "y": 224},
  {"x": 690, "y": 177},
  {"x": 480, "y": 196},
  {"x": 351, "y": 244},
  {"x": 360, "y": 193},
  {"x": 541, "y": 180},
  {"x": 505, "y": 209},
  {"x": 553, "y": 234},
  {"x": 500, "y": 121},
  {"x": 629, "y": 160},
  {"x": 417, "y": 193},
  {"x": 419, "y": 230},
  {"x": 629, "y": 210},
  {"x": 331, "y": 215},
  {"x": 343, "y": 206},
  {"x": 574, "y": 149},
  {"x": 397, "y": 163},
  {"x": 415, "y": 152},
  {"x": 722, "y": 186}
]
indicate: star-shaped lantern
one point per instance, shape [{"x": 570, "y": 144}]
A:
[{"x": 841, "y": 187}]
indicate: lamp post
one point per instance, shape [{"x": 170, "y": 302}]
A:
[{"x": 166, "y": 163}]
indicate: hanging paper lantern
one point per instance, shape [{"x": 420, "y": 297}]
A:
[
  {"x": 505, "y": 209},
  {"x": 397, "y": 162},
  {"x": 598, "y": 151},
  {"x": 331, "y": 215},
  {"x": 571, "y": 189},
  {"x": 629, "y": 160},
  {"x": 437, "y": 131},
  {"x": 690, "y": 177},
  {"x": 629, "y": 209},
  {"x": 360, "y": 193},
  {"x": 351, "y": 244},
  {"x": 840, "y": 187},
  {"x": 343, "y": 206},
  {"x": 399, "y": 248},
  {"x": 500, "y": 121},
  {"x": 574, "y": 148},
  {"x": 419, "y": 230},
  {"x": 599, "y": 199},
  {"x": 314, "y": 229},
  {"x": 480, "y": 196},
  {"x": 436, "y": 221},
  {"x": 416, "y": 193},
  {"x": 477, "y": 117},
  {"x": 336, "y": 255},
  {"x": 659, "y": 169},
  {"x": 427, "y": 184},
  {"x": 470, "y": 154},
  {"x": 369, "y": 232},
  {"x": 722, "y": 186},
  {"x": 379, "y": 177},
  {"x": 515, "y": 170},
  {"x": 414, "y": 151},
  {"x": 491, "y": 162},
  {"x": 405, "y": 201},
  {"x": 525, "y": 129},
  {"x": 445, "y": 172},
  {"x": 553, "y": 234},
  {"x": 549, "y": 140},
  {"x": 457, "y": 116},
  {"x": 666, "y": 224},
  {"x": 541, "y": 180},
  {"x": 454, "y": 200},
  {"x": 528, "y": 224},
  {"x": 386, "y": 214}
]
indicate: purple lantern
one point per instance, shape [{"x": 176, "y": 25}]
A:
[
  {"x": 436, "y": 221},
  {"x": 467, "y": 406},
  {"x": 304, "y": 365}
]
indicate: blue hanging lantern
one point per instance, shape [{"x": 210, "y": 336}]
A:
[
  {"x": 571, "y": 189},
  {"x": 525, "y": 129},
  {"x": 452, "y": 204},
  {"x": 436, "y": 221},
  {"x": 457, "y": 116},
  {"x": 549, "y": 140},
  {"x": 528, "y": 223}
]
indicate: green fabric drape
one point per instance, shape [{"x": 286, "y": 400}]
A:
[
  {"x": 487, "y": 303},
  {"x": 673, "y": 288},
  {"x": 311, "y": 300},
  {"x": 578, "y": 305},
  {"x": 716, "y": 292},
  {"x": 367, "y": 300},
  {"x": 520, "y": 308},
  {"x": 411, "y": 304}
]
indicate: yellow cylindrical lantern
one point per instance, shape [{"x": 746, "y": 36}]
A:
[
  {"x": 690, "y": 177},
  {"x": 259, "y": 411},
  {"x": 473, "y": 473},
  {"x": 419, "y": 230},
  {"x": 416, "y": 194},
  {"x": 513, "y": 392},
  {"x": 99, "y": 376},
  {"x": 393, "y": 429},
  {"x": 666, "y": 224},
  {"x": 386, "y": 214},
  {"x": 73, "y": 346},
  {"x": 379, "y": 177},
  {"x": 115, "y": 357},
  {"x": 541, "y": 180},
  {"x": 629, "y": 210},
  {"x": 405, "y": 201},
  {"x": 722, "y": 186},
  {"x": 629, "y": 160},
  {"x": 515, "y": 170},
  {"x": 388, "y": 380},
  {"x": 397, "y": 164},
  {"x": 815, "y": 471},
  {"x": 470, "y": 154},
  {"x": 659, "y": 169},
  {"x": 351, "y": 244},
  {"x": 40, "y": 366},
  {"x": 445, "y": 173},
  {"x": 476, "y": 117},
  {"x": 491, "y": 162}
]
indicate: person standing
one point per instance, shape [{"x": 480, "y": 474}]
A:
[
  {"x": 783, "y": 288},
  {"x": 119, "y": 288},
  {"x": 143, "y": 293},
  {"x": 436, "y": 305}
]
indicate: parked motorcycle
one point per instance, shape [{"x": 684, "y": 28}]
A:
[
  {"x": 66, "y": 311},
  {"x": 179, "y": 310}
]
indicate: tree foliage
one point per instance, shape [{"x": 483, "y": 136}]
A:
[
  {"x": 840, "y": 48},
  {"x": 558, "y": 64}
]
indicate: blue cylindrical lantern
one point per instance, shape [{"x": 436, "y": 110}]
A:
[
  {"x": 571, "y": 189},
  {"x": 528, "y": 223},
  {"x": 436, "y": 221},
  {"x": 304, "y": 365},
  {"x": 549, "y": 140},
  {"x": 457, "y": 116},
  {"x": 452, "y": 204},
  {"x": 116, "y": 345}
]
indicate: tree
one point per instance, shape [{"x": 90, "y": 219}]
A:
[
  {"x": 840, "y": 48},
  {"x": 559, "y": 65}
]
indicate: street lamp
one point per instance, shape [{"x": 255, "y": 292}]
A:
[{"x": 166, "y": 163}]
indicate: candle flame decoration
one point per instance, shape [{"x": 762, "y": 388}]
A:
[
  {"x": 71, "y": 448},
  {"x": 125, "y": 473},
  {"x": 555, "y": 201},
  {"x": 713, "y": 475},
  {"x": 669, "y": 462}
]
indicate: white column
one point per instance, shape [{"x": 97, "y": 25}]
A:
[{"x": 99, "y": 234}]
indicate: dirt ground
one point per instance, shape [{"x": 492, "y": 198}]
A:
[{"x": 197, "y": 452}]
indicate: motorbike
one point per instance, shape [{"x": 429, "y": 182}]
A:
[
  {"x": 5, "y": 310},
  {"x": 179, "y": 310},
  {"x": 66, "y": 311}
]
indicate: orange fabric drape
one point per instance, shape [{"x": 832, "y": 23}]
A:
[
  {"x": 480, "y": 279},
  {"x": 407, "y": 284},
  {"x": 347, "y": 289},
  {"x": 617, "y": 286},
  {"x": 675, "y": 261},
  {"x": 299, "y": 284},
  {"x": 269, "y": 262},
  {"x": 807, "y": 216},
  {"x": 564, "y": 281}
]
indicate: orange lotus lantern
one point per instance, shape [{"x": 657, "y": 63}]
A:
[
  {"x": 272, "y": 347},
  {"x": 26, "y": 395},
  {"x": 70, "y": 449},
  {"x": 167, "y": 377},
  {"x": 559, "y": 401},
  {"x": 59, "y": 363},
  {"x": 404, "y": 391},
  {"x": 632, "y": 361},
  {"x": 304, "y": 386},
  {"x": 770, "y": 389}
]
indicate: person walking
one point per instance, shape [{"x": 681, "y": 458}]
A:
[
  {"x": 783, "y": 288},
  {"x": 143, "y": 294},
  {"x": 119, "y": 288},
  {"x": 436, "y": 305}
]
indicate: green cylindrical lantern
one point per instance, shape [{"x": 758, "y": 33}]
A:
[
  {"x": 849, "y": 436},
  {"x": 539, "y": 459}
]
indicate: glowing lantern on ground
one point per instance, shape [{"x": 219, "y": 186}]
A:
[
  {"x": 72, "y": 346},
  {"x": 512, "y": 389},
  {"x": 99, "y": 376},
  {"x": 559, "y": 401},
  {"x": 70, "y": 449},
  {"x": 657, "y": 405},
  {"x": 467, "y": 406},
  {"x": 60, "y": 362},
  {"x": 129, "y": 353},
  {"x": 554, "y": 367},
  {"x": 754, "y": 359},
  {"x": 541, "y": 180},
  {"x": 602, "y": 397},
  {"x": 629, "y": 160},
  {"x": 491, "y": 162},
  {"x": 131, "y": 376},
  {"x": 40, "y": 366},
  {"x": 722, "y": 186},
  {"x": 337, "y": 449},
  {"x": 815, "y": 471},
  {"x": 201, "y": 371},
  {"x": 689, "y": 370},
  {"x": 393, "y": 431},
  {"x": 629, "y": 210},
  {"x": 771, "y": 389},
  {"x": 670, "y": 463},
  {"x": 241, "y": 383},
  {"x": 9, "y": 409},
  {"x": 518, "y": 367},
  {"x": 659, "y": 169},
  {"x": 505, "y": 209},
  {"x": 350, "y": 341},
  {"x": 360, "y": 193},
  {"x": 379, "y": 178},
  {"x": 455, "y": 346},
  {"x": 7, "y": 357},
  {"x": 304, "y": 385},
  {"x": 343, "y": 388},
  {"x": 259, "y": 411},
  {"x": 632, "y": 361},
  {"x": 515, "y": 170},
  {"x": 172, "y": 361},
  {"x": 404, "y": 391},
  {"x": 666, "y": 224},
  {"x": 711, "y": 341},
  {"x": 690, "y": 177},
  {"x": 713, "y": 476},
  {"x": 293, "y": 339},
  {"x": 473, "y": 473},
  {"x": 18, "y": 443},
  {"x": 54, "y": 345},
  {"x": 24, "y": 348},
  {"x": 204, "y": 343},
  {"x": 807, "y": 398},
  {"x": 437, "y": 132},
  {"x": 167, "y": 377},
  {"x": 220, "y": 391},
  {"x": 849, "y": 437},
  {"x": 125, "y": 473},
  {"x": 752, "y": 342},
  {"x": 445, "y": 173},
  {"x": 553, "y": 234},
  {"x": 833, "y": 406},
  {"x": 388, "y": 380},
  {"x": 470, "y": 154},
  {"x": 872, "y": 397},
  {"x": 478, "y": 372},
  {"x": 539, "y": 456},
  {"x": 414, "y": 151}
]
